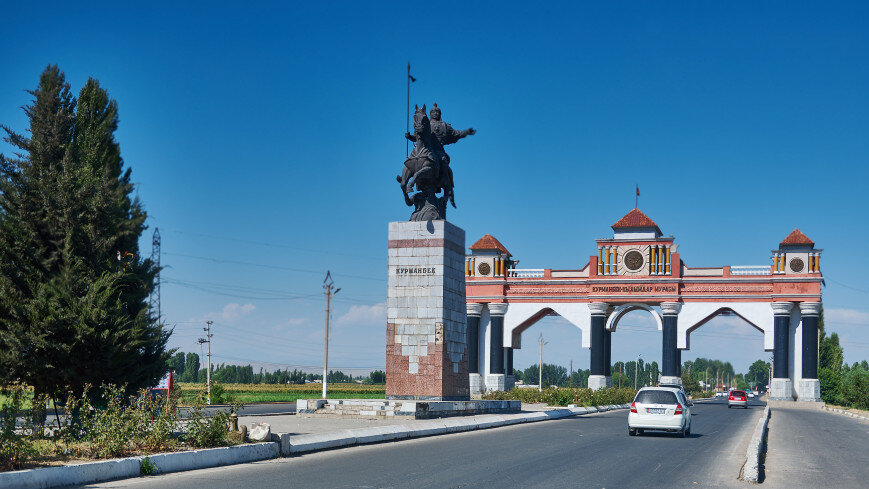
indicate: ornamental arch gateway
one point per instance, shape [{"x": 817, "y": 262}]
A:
[{"x": 640, "y": 269}]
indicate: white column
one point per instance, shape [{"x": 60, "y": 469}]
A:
[
  {"x": 495, "y": 381},
  {"x": 781, "y": 387},
  {"x": 474, "y": 310}
]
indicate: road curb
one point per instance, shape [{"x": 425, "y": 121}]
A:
[
  {"x": 283, "y": 444},
  {"x": 124, "y": 468},
  {"x": 845, "y": 413},
  {"x": 751, "y": 469},
  {"x": 299, "y": 444}
]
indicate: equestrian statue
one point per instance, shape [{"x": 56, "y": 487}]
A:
[{"x": 427, "y": 168}]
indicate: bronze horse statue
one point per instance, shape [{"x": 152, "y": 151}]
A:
[{"x": 424, "y": 167}]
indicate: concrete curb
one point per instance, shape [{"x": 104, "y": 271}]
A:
[
  {"x": 299, "y": 444},
  {"x": 846, "y": 413},
  {"x": 751, "y": 470},
  {"x": 282, "y": 444},
  {"x": 123, "y": 468}
]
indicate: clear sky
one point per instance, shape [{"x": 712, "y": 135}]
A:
[{"x": 264, "y": 142}]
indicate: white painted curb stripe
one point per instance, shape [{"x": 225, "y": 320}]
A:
[
  {"x": 123, "y": 468},
  {"x": 751, "y": 471},
  {"x": 284, "y": 445}
]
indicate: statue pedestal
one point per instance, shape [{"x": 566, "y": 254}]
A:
[{"x": 426, "y": 325}]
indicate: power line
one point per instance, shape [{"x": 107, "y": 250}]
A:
[
  {"x": 262, "y": 265},
  {"x": 272, "y": 245}
]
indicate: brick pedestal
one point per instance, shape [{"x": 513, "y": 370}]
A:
[{"x": 426, "y": 327}]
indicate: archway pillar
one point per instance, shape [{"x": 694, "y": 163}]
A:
[
  {"x": 598, "y": 375},
  {"x": 496, "y": 379},
  {"x": 809, "y": 388},
  {"x": 670, "y": 355},
  {"x": 781, "y": 386},
  {"x": 474, "y": 311}
]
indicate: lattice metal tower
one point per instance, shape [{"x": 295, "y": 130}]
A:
[{"x": 155, "y": 259}]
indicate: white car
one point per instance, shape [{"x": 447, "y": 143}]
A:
[{"x": 660, "y": 408}]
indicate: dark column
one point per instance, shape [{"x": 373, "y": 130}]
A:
[
  {"x": 598, "y": 335},
  {"x": 607, "y": 352},
  {"x": 474, "y": 344},
  {"x": 496, "y": 341},
  {"x": 508, "y": 352},
  {"x": 781, "y": 329},
  {"x": 671, "y": 357},
  {"x": 669, "y": 362},
  {"x": 810, "y": 342}
]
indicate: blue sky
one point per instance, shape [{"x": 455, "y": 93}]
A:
[{"x": 264, "y": 140}]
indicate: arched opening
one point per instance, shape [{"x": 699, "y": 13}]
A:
[
  {"x": 724, "y": 350},
  {"x": 635, "y": 345},
  {"x": 563, "y": 328}
]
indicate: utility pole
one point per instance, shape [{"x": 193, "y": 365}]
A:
[
  {"x": 328, "y": 287},
  {"x": 207, "y": 340},
  {"x": 570, "y": 379},
  {"x": 636, "y": 367},
  {"x": 540, "y": 370}
]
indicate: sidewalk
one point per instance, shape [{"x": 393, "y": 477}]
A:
[
  {"x": 813, "y": 448},
  {"x": 296, "y": 425}
]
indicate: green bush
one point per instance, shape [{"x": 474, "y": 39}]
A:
[
  {"x": 831, "y": 386},
  {"x": 564, "y": 396},
  {"x": 15, "y": 449},
  {"x": 855, "y": 389},
  {"x": 203, "y": 431}
]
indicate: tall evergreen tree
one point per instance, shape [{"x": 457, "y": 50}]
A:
[{"x": 76, "y": 290}]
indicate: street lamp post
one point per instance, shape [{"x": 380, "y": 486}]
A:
[{"x": 636, "y": 367}]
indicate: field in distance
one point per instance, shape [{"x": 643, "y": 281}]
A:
[{"x": 252, "y": 393}]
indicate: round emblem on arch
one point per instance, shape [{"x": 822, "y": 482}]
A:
[
  {"x": 633, "y": 260},
  {"x": 484, "y": 269},
  {"x": 797, "y": 265}
]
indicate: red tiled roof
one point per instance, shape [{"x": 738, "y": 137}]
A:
[
  {"x": 797, "y": 238},
  {"x": 488, "y": 242},
  {"x": 635, "y": 219}
]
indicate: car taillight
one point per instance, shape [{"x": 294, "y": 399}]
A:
[
  {"x": 678, "y": 409},
  {"x": 731, "y": 398},
  {"x": 633, "y": 407}
]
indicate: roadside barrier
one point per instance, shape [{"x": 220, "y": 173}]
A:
[
  {"x": 282, "y": 444},
  {"x": 751, "y": 469}
]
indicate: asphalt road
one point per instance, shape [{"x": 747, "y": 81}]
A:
[
  {"x": 583, "y": 451},
  {"x": 252, "y": 409}
]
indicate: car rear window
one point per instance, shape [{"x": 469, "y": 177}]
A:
[
  {"x": 656, "y": 397},
  {"x": 738, "y": 393}
]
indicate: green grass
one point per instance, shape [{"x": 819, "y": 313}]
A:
[
  {"x": 26, "y": 405},
  {"x": 252, "y": 397}
]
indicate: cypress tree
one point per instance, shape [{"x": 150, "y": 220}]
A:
[{"x": 66, "y": 214}]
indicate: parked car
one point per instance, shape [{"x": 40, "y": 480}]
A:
[
  {"x": 660, "y": 408},
  {"x": 737, "y": 398}
]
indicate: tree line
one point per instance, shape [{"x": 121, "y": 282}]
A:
[{"x": 187, "y": 368}]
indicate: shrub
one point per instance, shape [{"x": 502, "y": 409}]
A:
[
  {"x": 147, "y": 467},
  {"x": 15, "y": 449},
  {"x": 205, "y": 431},
  {"x": 831, "y": 386},
  {"x": 564, "y": 396},
  {"x": 855, "y": 389}
]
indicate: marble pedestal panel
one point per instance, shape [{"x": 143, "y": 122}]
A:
[
  {"x": 781, "y": 390},
  {"x": 426, "y": 325},
  {"x": 809, "y": 390}
]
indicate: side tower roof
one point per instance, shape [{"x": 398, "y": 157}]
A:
[
  {"x": 797, "y": 238},
  {"x": 489, "y": 243}
]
